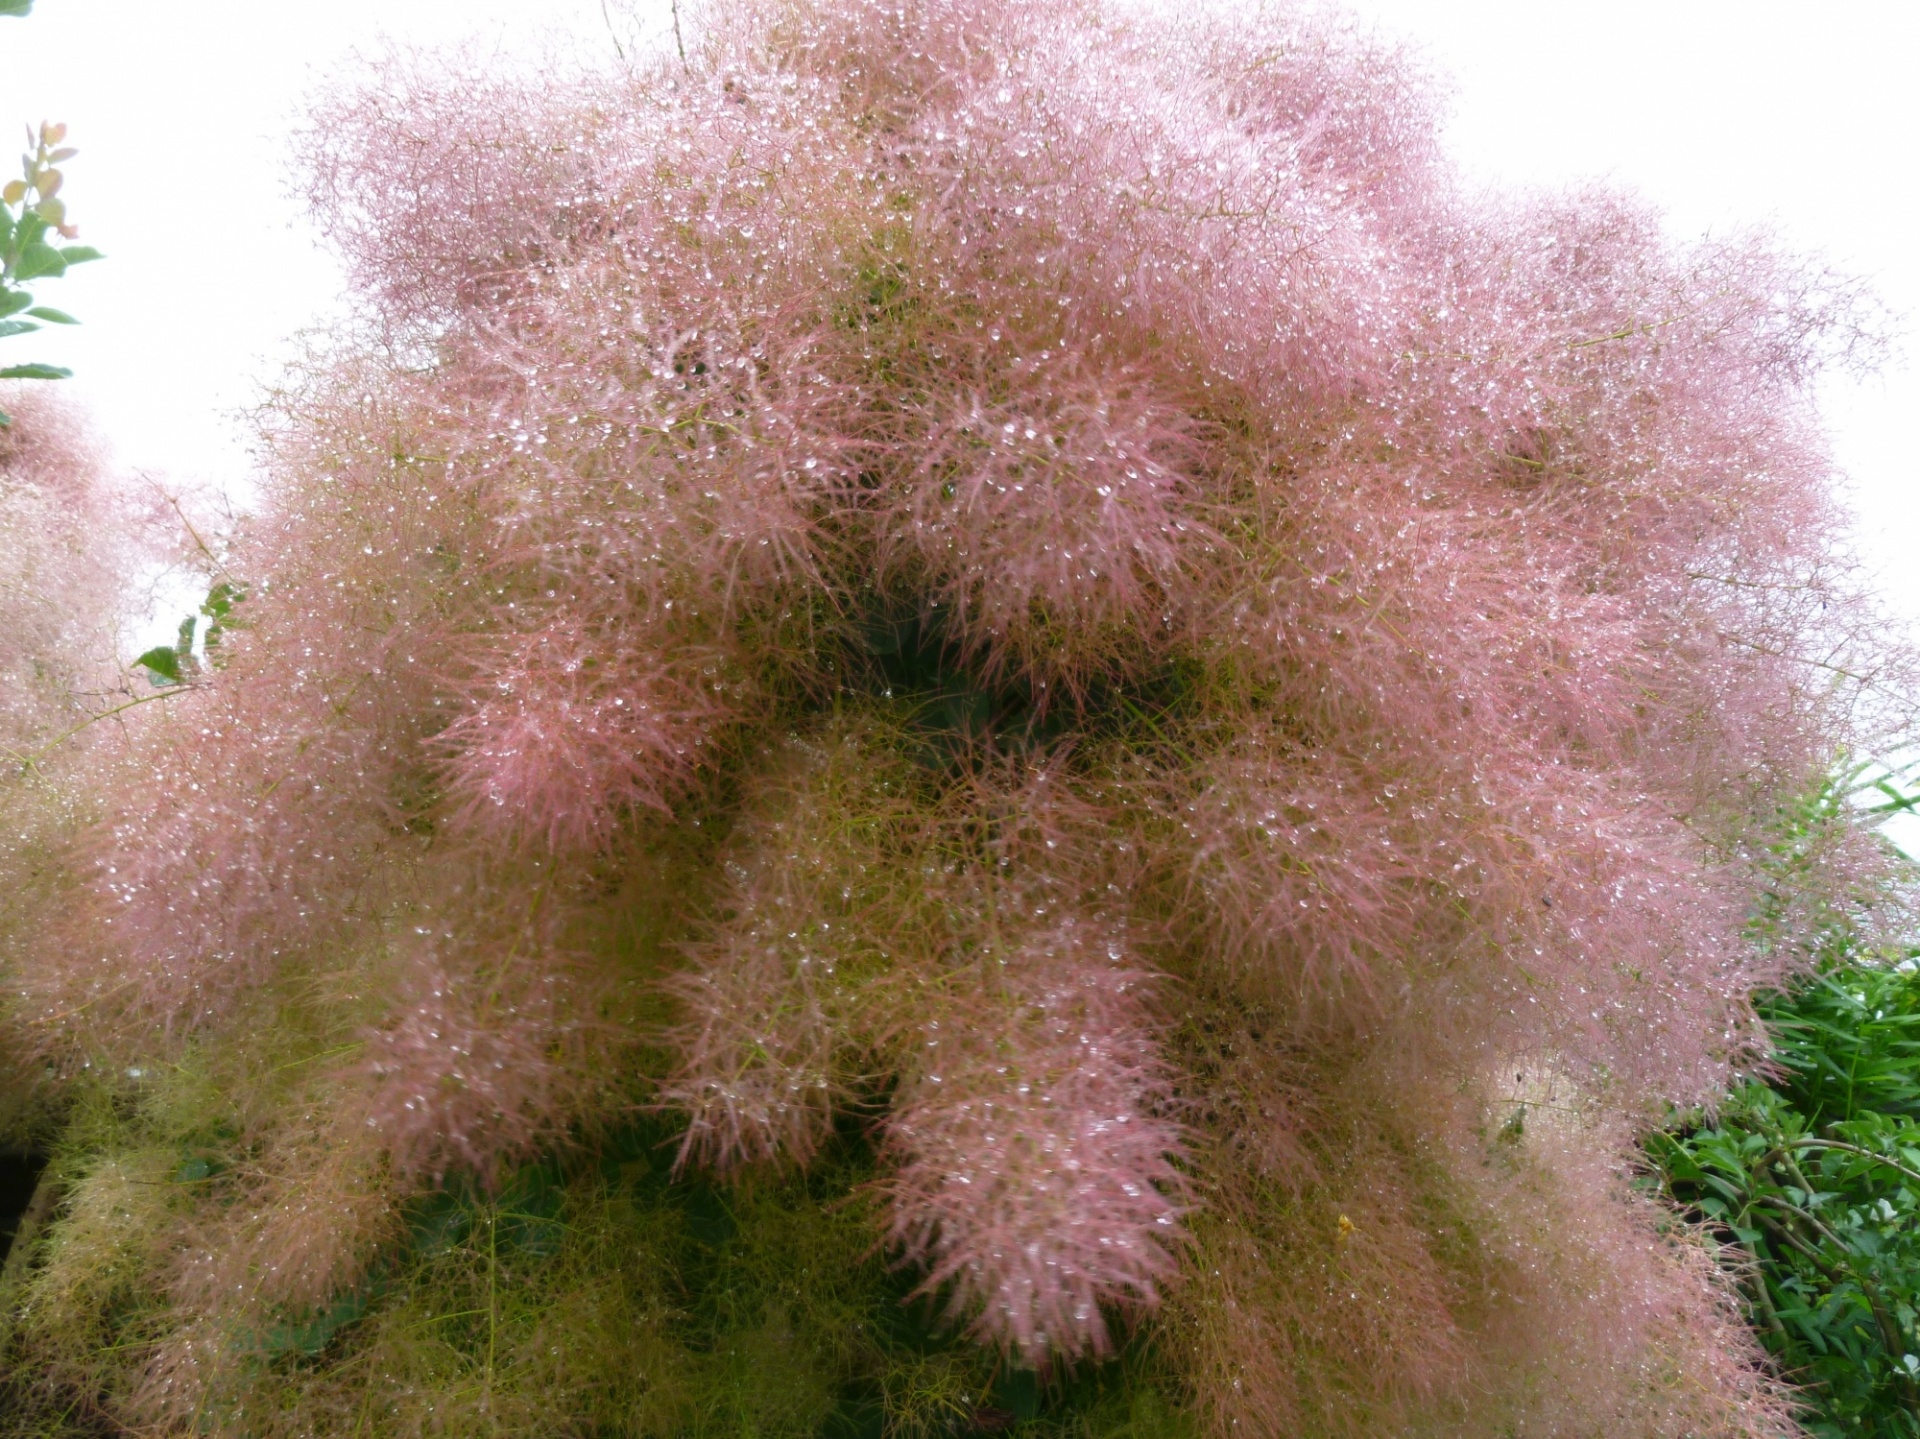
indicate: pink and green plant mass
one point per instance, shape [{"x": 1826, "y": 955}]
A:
[{"x": 954, "y": 695}]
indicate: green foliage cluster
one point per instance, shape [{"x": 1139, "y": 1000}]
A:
[
  {"x": 595, "y": 1295},
  {"x": 31, "y": 211},
  {"x": 1812, "y": 1170},
  {"x": 177, "y": 663}
]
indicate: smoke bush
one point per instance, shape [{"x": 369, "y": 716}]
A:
[
  {"x": 67, "y": 533},
  {"x": 70, "y": 540},
  {"x": 1040, "y": 585}
]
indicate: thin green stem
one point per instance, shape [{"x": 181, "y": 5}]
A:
[{"x": 26, "y": 761}]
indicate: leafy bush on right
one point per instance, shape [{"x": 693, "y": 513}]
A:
[{"x": 1814, "y": 1170}]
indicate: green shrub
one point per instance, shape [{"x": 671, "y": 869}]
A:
[
  {"x": 599, "y": 1297},
  {"x": 1810, "y": 1170}
]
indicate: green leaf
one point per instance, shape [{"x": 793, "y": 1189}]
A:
[
  {"x": 218, "y": 608},
  {"x": 27, "y": 229},
  {"x": 39, "y": 258},
  {"x": 1847, "y": 1091},
  {"x": 16, "y": 7},
  {"x": 79, "y": 254},
  {"x": 52, "y": 316},
  {"x": 36, "y": 372},
  {"x": 16, "y": 327},
  {"x": 164, "y": 662},
  {"x": 311, "y": 1337},
  {"x": 13, "y": 302},
  {"x": 221, "y": 599}
]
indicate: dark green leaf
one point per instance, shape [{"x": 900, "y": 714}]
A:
[
  {"x": 218, "y": 607},
  {"x": 36, "y": 372},
  {"x": 221, "y": 599},
  {"x": 16, "y": 7},
  {"x": 164, "y": 662},
  {"x": 13, "y": 302},
  {"x": 311, "y": 1337}
]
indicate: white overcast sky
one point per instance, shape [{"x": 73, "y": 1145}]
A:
[{"x": 1801, "y": 116}]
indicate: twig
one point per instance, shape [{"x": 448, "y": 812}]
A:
[
  {"x": 25, "y": 761},
  {"x": 1860, "y": 679},
  {"x": 1784, "y": 1151},
  {"x": 201, "y": 544},
  {"x": 607, "y": 20}
]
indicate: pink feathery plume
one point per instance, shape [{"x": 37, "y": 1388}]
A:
[{"x": 1037, "y": 1181}]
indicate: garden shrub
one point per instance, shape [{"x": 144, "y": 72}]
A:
[
  {"x": 1125, "y": 724},
  {"x": 1810, "y": 1172}
]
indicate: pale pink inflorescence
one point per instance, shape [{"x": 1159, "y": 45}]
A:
[
  {"x": 1033, "y": 1115},
  {"x": 758, "y": 1079},
  {"x": 68, "y": 537},
  {"x": 567, "y": 732},
  {"x": 461, "y": 1076},
  {"x": 1036, "y": 1181},
  {"x": 1074, "y": 565}
]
